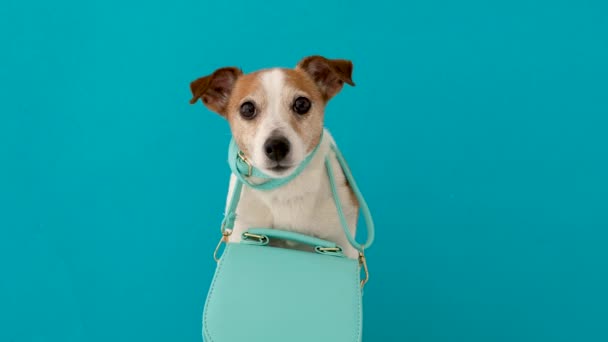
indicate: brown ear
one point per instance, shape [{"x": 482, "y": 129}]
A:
[
  {"x": 329, "y": 74},
  {"x": 214, "y": 90}
]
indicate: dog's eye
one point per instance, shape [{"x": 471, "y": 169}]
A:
[
  {"x": 301, "y": 105},
  {"x": 247, "y": 110}
]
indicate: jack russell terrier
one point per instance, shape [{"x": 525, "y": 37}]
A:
[{"x": 276, "y": 117}]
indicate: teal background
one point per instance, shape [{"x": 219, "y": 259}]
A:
[{"x": 477, "y": 132}]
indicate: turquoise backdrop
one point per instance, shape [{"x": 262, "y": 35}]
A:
[{"x": 478, "y": 132}]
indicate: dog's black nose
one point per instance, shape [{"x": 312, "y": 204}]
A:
[{"x": 276, "y": 148}]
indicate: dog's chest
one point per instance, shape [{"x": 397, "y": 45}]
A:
[
  {"x": 300, "y": 213},
  {"x": 305, "y": 208}
]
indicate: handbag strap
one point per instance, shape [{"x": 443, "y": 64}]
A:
[
  {"x": 369, "y": 222},
  {"x": 242, "y": 168},
  {"x": 230, "y": 215}
]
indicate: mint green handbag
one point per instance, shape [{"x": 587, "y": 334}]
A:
[{"x": 264, "y": 293}]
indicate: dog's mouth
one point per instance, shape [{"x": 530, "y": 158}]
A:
[{"x": 279, "y": 169}]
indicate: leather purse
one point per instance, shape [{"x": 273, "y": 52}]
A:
[{"x": 265, "y": 293}]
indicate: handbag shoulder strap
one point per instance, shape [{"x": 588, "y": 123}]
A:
[
  {"x": 369, "y": 222},
  {"x": 230, "y": 216}
]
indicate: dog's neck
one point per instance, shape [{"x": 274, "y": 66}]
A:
[
  {"x": 242, "y": 167},
  {"x": 310, "y": 184},
  {"x": 294, "y": 204}
]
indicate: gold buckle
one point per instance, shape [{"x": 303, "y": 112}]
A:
[
  {"x": 244, "y": 159},
  {"x": 363, "y": 262},
  {"x": 224, "y": 239}
]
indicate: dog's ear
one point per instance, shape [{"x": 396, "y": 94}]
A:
[
  {"x": 214, "y": 90},
  {"x": 329, "y": 74}
]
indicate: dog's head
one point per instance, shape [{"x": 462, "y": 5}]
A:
[{"x": 276, "y": 115}]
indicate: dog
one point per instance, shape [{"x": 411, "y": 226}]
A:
[{"x": 276, "y": 117}]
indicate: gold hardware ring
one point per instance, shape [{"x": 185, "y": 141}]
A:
[
  {"x": 223, "y": 240},
  {"x": 363, "y": 262},
  {"x": 244, "y": 159}
]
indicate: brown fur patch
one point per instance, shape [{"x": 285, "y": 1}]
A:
[
  {"x": 300, "y": 80},
  {"x": 310, "y": 127},
  {"x": 247, "y": 87},
  {"x": 329, "y": 74},
  {"x": 214, "y": 90}
]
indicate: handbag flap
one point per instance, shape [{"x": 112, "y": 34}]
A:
[{"x": 263, "y": 293}]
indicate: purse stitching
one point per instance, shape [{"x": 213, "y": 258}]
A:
[{"x": 217, "y": 275}]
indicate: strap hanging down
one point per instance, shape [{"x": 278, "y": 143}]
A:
[
  {"x": 369, "y": 223},
  {"x": 230, "y": 217}
]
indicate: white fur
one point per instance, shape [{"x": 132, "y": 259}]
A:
[
  {"x": 276, "y": 121},
  {"x": 304, "y": 205}
]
